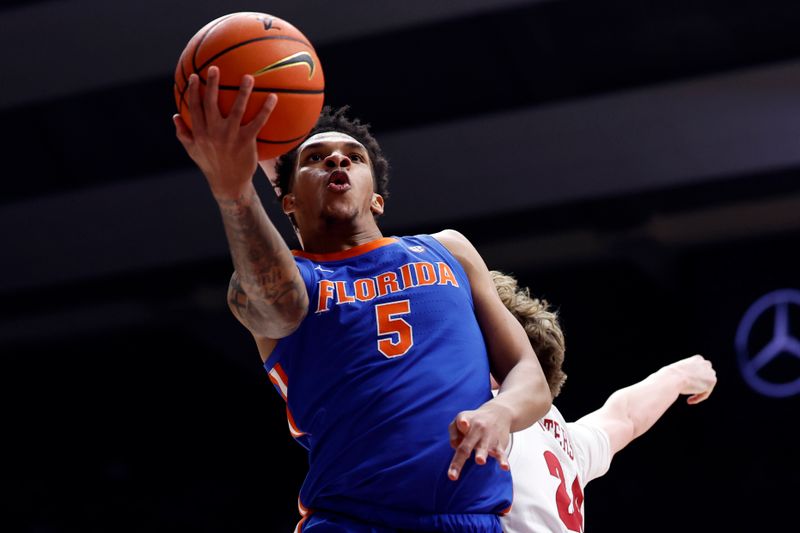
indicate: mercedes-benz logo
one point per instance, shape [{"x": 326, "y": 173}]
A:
[{"x": 783, "y": 342}]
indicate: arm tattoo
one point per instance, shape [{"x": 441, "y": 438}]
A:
[
  {"x": 267, "y": 290},
  {"x": 237, "y": 297}
]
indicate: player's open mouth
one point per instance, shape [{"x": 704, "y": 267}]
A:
[{"x": 338, "y": 181}]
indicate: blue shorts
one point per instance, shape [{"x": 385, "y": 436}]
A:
[{"x": 326, "y": 522}]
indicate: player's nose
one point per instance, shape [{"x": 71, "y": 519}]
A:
[{"x": 337, "y": 159}]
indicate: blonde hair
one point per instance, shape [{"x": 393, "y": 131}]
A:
[{"x": 541, "y": 325}]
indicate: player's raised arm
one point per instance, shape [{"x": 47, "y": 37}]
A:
[
  {"x": 524, "y": 396},
  {"x": 630, "y": 412},
  {"x": 266, "y": 293}
]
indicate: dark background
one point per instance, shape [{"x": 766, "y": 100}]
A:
[{"x": 636, "y": 163}]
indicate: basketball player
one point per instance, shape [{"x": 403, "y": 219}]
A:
[
  {"x": 375, "y": 343},
  {"x": 552, "y": 461}
]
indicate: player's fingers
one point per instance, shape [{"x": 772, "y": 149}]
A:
[
  {"x": 462, "y": 423},
  {"x": 240, "y": 104},
  {"x": 457, "y": 464},
  {"x": 455, "y": 436},
  {"x": 498, "y": 452},
  {"x": 706, "y": 394},
  {"x": 694, "y": 399},
  {"x": 196, "y": 106},
  {"x": 210, "y": 100},
  {"x": 463, "y": 451},
  {"x": 481, "y": 452},
  {"x": 182, "y": 131},
  {"x": 255, "y": 125},
  {"x": 697, "y": 398}
]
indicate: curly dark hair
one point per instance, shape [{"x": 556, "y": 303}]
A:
[
  {"x": 330, "y": 120},
  {"x": 541, "y": 325}
]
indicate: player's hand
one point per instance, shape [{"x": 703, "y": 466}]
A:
[
  {"x": 223, "y": 147},
  {"x": 698, "y": 376},
  {"x": 485, "y": 431}
]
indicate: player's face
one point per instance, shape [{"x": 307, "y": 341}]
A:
[{"x": 332, "y": 180}]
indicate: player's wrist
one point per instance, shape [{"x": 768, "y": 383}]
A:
[
  {"x": 502, "y": 410},
  {"x": 674, "y": 376},
  {"x": 240, "y": 193}
]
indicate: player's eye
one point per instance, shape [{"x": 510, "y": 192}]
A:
[
  {"x": 357, "y": 158},
  {"x": 315, "y": 157}
]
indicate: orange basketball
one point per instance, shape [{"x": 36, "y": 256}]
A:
[{"x": 280, "y": 58}]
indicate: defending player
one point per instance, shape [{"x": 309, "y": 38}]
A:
[
  {"x": 375, "y": 343},
  {"x": 552, "y": 461}
]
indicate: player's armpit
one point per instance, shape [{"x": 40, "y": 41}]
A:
[{"x": 265, "y": 347}]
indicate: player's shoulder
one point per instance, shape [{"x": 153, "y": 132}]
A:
[
  {"x": 456, "y": 242},
  {"x": 450, "y": 235}
]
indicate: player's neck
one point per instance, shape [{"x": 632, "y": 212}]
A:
[{"x": 328, "y": 238}]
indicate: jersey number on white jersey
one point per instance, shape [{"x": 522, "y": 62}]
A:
[{"x": 573, "y": 520}]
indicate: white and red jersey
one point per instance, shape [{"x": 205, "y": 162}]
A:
[{"x": 551, "y": 462}]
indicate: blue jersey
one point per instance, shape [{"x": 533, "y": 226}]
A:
[{"x": 389, "y": 353}]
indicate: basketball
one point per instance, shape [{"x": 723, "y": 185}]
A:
[{"x": 277, "y": 55}]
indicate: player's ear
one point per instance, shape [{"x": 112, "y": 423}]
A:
[
  {"x": 287, "y": 204},
  {"x": 376, "y": 205}
]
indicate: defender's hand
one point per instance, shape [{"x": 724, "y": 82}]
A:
[
  {"x": 698, "y": 376},
  {"x": 223, "y": 147},
  {"x": 484, "y": 431}
]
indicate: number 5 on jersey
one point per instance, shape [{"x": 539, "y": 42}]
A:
[{"x": 400, "y": 333}]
